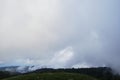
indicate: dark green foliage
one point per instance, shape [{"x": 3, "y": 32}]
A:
[
  {"x": 52, "y": 76},
  {"x": 4, "y": 74},
  {"x": 101, "y": 73}
]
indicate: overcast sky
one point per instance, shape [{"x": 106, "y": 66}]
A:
[{"x": 60, "y": 33}]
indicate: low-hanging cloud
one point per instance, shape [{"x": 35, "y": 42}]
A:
[{"x": 37, "y": 31}]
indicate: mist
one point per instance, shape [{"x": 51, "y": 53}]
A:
[{"x": 60, "y": 33}]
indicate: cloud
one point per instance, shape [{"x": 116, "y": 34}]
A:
[
  {"x": 38, "y": 32},
  {"x": 1, "y": 62},
  {"x": 26, "y": 23},
  {"x": 61, "y": 58},
  {"x": 82, "y": 65}
]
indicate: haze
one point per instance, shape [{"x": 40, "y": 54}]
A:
[{"x": 60, "y": 33}]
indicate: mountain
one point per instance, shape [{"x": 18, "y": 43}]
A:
[
  {"x": 30, "y": 73},
  {"x": 19, "y": 69},
  {"x": 9, "y": 68}
]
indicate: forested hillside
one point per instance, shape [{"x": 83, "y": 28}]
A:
[{"x": 101, "y": 73}]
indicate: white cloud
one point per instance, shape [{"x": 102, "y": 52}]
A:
[
  {"x": 28, "y": 24},
  {"x": 83, "y": 65},
  {"x": 62, "y": 58},
  {"x": 33, "y": 31}
]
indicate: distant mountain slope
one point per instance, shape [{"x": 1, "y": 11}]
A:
[
  {"x": 18, "y": 69},
  {"x": 52, "y": 76},
  {"x": 101, "y": 73},
  {"x": 9, "y": 68}
]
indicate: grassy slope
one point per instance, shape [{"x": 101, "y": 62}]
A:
[{"x": 52, "y": 76}]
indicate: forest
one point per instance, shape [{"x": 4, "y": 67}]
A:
[{"x": 100, "y": 73}]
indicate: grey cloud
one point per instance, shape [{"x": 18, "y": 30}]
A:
[{"x": 37, "y": 29}]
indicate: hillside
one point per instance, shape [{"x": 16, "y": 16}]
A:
[
  {"x": 52, "y": 76},
  {"x": 99, "y": 73}
]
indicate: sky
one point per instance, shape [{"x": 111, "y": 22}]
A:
[{"x": 60, "y": 33}]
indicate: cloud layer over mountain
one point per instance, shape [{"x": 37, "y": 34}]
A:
[{"x": 60, "y": 33}]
